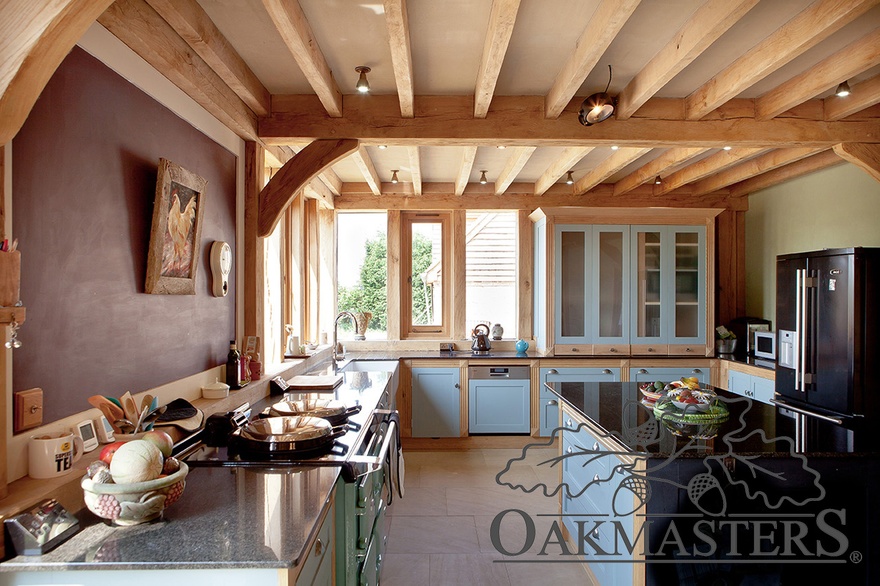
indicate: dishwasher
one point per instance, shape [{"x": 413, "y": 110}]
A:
[{"x": 499, "y": 399}]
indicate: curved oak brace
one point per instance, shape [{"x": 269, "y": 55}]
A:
[
  {"x": 295, "y": 174},
  {"x": 39, "y": 35},
  {"x": 866, "y": 156}
]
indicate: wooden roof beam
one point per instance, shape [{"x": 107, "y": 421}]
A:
[
  {"x": 294, "y": 28},
  {"x": 866, "y": 156},
  {"x": 464, "y": 170},
  {"x": 502, "y": 17},
  {"x": 604, "y": 25},
  {"x": 705, "y": 167},
  {"x": 751, "y": 168},
  {"x": 415, "y": 169},
  {"x": 853, "y": 59},
  {"x": 617, "y": 161},
  {"x": 813, "y": 25},
  {"x": 194, "y": 25},
  {"x": 397, "y": 24},
  {"x": 862, "y": 95},
  {"x": 791, "y": 171},
  {"x": 328, "y": 176},
  {"x": 515, "y": 163},
  {"x": 295, "y": 175},
  {"x": 669, "y": 162},
  {"x": 365, "y": 163},
  {"x": 707, "y": 24},
  {"x": 569, "y": 158}
]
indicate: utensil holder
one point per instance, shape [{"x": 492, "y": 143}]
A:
[{"x": 10, "y": 278}]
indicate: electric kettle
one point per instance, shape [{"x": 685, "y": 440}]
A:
[{"x": 481, "y": 341}]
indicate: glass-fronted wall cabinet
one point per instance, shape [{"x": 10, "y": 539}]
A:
[{"x": 609, "y": 283}]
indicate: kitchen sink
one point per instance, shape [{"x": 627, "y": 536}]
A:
[{"x": 370, "y": 366}]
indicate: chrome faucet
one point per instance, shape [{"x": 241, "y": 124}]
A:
[{"x": 337, "y": 355}]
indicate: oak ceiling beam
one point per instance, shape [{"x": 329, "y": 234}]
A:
[
  {"x": 294, "y": 28},
  {"x": 813, "y": 25},
  {"x": 415, "y": 169},
  {"x": 751, "y": 168},
  {"x": 502, "y": 17},
  {"x": 37, "y": 36},
  {"x": 705, "y": 167},
  {"x": 669, "y": 162},
  {"x": 617, "y": 161},
  {"x": 318, "y": 191},
  {"x": 397, "y": 24},
  {"x": 364, "y": 162},
  {"x": 707, "y": 24},
  {"x": 194, "y": 25},
  {"x": 853, "y": 59},
  {"x": 517, "y": 160},
  {"x": 135, "y": 23},
  {"x": 519, "y": 121},
  {"x": 604, "y": 25},
  {"x": 295, "y": 175},
  {"x": 569, "y": 158},
  {"x": 866, "y": 156},
  {"x": 464, "y": 169},
  {"x": 328, "y": 176},
  {"x": 806, "y": 166},
  {"x": 862, "y": 95}
]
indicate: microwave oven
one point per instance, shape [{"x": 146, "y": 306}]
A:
[{"x": 765, "y": 345}]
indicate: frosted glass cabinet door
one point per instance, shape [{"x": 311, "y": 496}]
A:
[
  {"x": 688, "y": 311},
  {"x": 573, "y": 265},
  {"x": 609, "y": 296},
  {"x": 648, "y": 294}
]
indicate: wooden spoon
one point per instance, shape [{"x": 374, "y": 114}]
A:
[{"x": 108, "y": 408}]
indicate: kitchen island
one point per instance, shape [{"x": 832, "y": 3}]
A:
[
  {"x": 233, "y": 524},
  {"x": 647, "y": 500}
]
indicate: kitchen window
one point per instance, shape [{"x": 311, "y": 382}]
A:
[
  {"x": 425, "y": 261},
  {"x": 490, "y": 280},
  {"x": 362, "y": 270}
]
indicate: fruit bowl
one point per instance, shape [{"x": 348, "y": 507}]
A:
[{"x": 136, "y": 502}]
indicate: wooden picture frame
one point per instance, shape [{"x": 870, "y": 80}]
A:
[{"x": 175, "y": 237}]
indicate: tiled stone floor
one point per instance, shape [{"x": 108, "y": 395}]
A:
[{"x": 440, "y": 532}]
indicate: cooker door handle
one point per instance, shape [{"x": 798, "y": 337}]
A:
[{"x": 353, "y": 410}]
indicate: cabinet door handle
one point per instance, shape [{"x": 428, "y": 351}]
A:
[
  {"x": 606, "y": 371},
  {"x": 553, "y": 402},
  {"x": 696, "y": 371},
  {"x": 575, "y": 350},
  {"x": 552, "y": 371},
  {"x": 595, "y": 478},
  {"x": 569, "y": 422},
  {"x": 650, "y": 349},
  {"x": 643, "y": 371},
  {"x": 596, "y": 447},
  {"x": 457, "y": 386},
  {"x": 569, "y": 450},
  {"x": 595, "y": 533},
  {"x": 612, "y": 350},
  {"x": 319, "y": 547},
  {"x": 688, "y": 350}
]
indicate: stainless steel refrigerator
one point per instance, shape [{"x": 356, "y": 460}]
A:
[{"x": 827, "y": 311}]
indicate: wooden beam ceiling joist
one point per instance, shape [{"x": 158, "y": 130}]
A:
[
  {"x": 464, "y": 169},
  {"x": 751, "y": 168},
  {"x": 397, "y": 24},
  {"x": 705, "y": 167},
  {"x": 617, "y": 161},
  {"x": 297, "y": 34},
  {"x": 866, "y": 156},
  {"x": 328, "y": 176},
  {"x": 806, "y": 166},
  {"x": 140, "y": 27},
  {"x": 519, "y": 121},
  {"x": 295, "y": 175},
  {"x": 667, "y": 163},
  {"x": 604, "y": 25},
  {"x": 415, "y": 169},
  {"x": 194, "y": 25},
  {"x": 517, "y": 160},
  {"x": 813, "y": 25},
  {"x": 707, "y": 24},
  {"x": 364, "y": 162},
  {"x": 569, "y": 158},
  {"x": 862, "y": 95},
  {"x": 502, "y": 17},
  {"x": 850, "y": 61}
]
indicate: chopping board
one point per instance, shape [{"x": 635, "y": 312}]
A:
[{"x": 322, "y": 383}]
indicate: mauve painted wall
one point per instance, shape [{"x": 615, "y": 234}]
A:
[{"x": 84, "y": 177}]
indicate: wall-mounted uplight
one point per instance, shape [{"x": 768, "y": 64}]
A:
[
  {"x": 483, "y": 180},
  {"x": 569, "y": 180},
  {"x": 842, "y": 90},
  {"x": 501, "y": 147},
  {"x": 382, "y": 147},
  {"x": 727, "y": 148},
  {"x": 597, "y": 107},
  {"x": 614, "y": 147},
  {"x": 362, "y": 85},
  {"x": 657, "y": 180},
  {"x": 394, "y": 175}
]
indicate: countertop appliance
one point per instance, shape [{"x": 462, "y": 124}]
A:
[
  {"x": 765, "y": 345},
  {"x": 827, "y": 311},
  {"x": 499, "y": 399},
  {"x": 745, "y": 328}
]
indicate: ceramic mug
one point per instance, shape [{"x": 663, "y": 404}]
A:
[{"x": 53, "y": 455}]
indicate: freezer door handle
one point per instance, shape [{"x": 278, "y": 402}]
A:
[{"x": 802, "y": 411}]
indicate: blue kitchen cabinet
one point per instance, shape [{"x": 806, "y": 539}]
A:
[
  {"x": 751, "y": 386},
  {"x": 549, "y": 405},
  {"x": 436, "y": 402}
]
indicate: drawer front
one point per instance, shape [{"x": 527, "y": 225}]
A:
[
  {"x": 611, "y": 350},
  {"x": 573, "y": 349},
  {"x": 649, "y": 349},
  {"x": 762, "y": 389},
  {"x": 688, "y": 350}
]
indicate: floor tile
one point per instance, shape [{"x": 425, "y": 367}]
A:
[
  {"x": 405, "y": 569},
  {"x": 492, "y": 500},
  {"x": 430, "y": 501},
  {"x": 412, "y": 534},
  {"x": 513, "y": 535},
  {"x": 468, "y": 570},
  {"x": 531, "y": 573}
]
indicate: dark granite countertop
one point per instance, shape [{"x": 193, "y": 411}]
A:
[{"x": 227, "y": 517}]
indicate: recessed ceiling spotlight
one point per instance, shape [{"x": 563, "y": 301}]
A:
[
  {"x": 727, "y": 148},
  {"x": 501, "y": 147},
  {"x": 382, "y": 147},
  {"x": 362, "y": 85},
  {"x": 614, "y": 147},
  {"x": 483, "y": 180},
  {"x": 569, "y": 180},
  {"x": 394, "y": 175},
  {"x": 842, "y": 90},
  {"x": 657, "y": 180}
]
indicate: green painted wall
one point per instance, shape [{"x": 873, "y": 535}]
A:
[{"x": 834, "y": 208}]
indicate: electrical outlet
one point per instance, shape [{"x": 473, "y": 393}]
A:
[
  {"x": 28, "y": 409},
  {"x": 446, "y": 347}
]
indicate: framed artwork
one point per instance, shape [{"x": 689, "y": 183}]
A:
[{"x": 173, "y": 258}]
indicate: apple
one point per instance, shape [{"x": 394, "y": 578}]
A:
[
  {"x": 161, "y": 440},
  {"x": 107, "y": 452}
]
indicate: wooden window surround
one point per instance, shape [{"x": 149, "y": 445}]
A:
[{"x": 442, "y": 330}]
